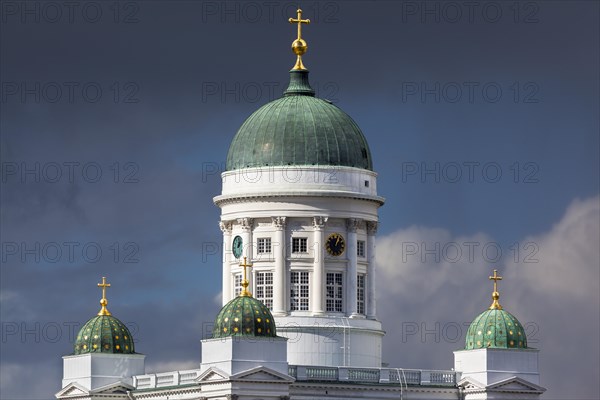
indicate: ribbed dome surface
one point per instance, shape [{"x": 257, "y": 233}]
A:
[
  {"x": 496, "y": 328},
  {"x": 104, "y": 334},
  {"x": 299, "y": 129},
  {"x": 244, "y": 316}
]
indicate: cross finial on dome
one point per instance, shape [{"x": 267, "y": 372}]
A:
[
  {"x": 103, "y": 301},
  {"x": 495, "y": 295},
  {"x": 299, "y": 46},
  {"x": 245, "y": 283}
]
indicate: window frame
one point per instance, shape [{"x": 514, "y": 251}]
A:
[
  {"x": 237, "y": 284},
  {"x": 299, "y": 245},
  {"x": 361, "y": 294},
  {"x": 263, "y": 288},
  {"x": 266, "y": 243},
  {"x": 334, "y": 292},
  {"x": 361, "y": 248},
  {"x": 299, "y": 291}
]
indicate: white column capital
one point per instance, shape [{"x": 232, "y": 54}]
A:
[
  {"x": 245, "y": 223},
  {"x": 319, "y": 222},
  {"x": 278, "y": 222},
  {"x": 372, "y": 227},
  {"x": 226, "y": 226},
  {"x": 352, "y": 224}
]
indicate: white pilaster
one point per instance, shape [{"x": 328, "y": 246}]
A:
[
  {"x": 371, "y": 299},
  {"x": 351, "y": 279},
  {"x": 318, "y": 279},
  {"x": 246, "y": 225},
  {"x": 227, "y": 284},
  {"x": 280, "y": 273}
]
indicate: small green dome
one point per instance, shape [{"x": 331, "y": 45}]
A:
[
  {"x": 104, "y": 334},
  {"x": 299, "y": 129},
  {"x": 244, "y": 316},
  {"x": 496, "y": 328}
]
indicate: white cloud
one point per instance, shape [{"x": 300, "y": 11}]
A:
[{"x": 423, "y": 300}]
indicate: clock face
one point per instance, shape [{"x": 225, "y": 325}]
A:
[
  {"x": 238, "y": 246},
  {"x": 335, "y": 244}
]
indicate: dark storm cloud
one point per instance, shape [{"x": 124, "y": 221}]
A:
[{"x": 150, "y": 93}]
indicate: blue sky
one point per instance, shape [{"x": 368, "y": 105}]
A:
[{"x": 151, "y": 96}]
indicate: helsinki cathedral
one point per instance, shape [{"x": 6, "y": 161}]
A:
[{"x": 299, "y": 207}]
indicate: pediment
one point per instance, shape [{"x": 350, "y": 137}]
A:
[
  {"x": 212, "y": 374},
  {"x": 470, "y": 384},
  {"x": 262, "y": 374},
  {"x": 516, "y": 384},
  {"x": 72, "y": 390},
  {"x": 114, "y": 388}
]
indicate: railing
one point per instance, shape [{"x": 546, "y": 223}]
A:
[
  {"x": 380, "y": 376},
  {"x": 442, "y": 378},
  {"x": 363, "y": 375},
  {"x": 143, "y": 383},
  {"x": 163, "y": 379},
  {"x": 292, "y": 371},
  {"x": 405, "y": 377},
  {"x": 383, "y": 376},
  {"x": 322, "y": 373}
]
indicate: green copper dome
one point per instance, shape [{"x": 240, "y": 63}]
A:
[
  {"x": 496, "y": 328},
  {"x": 244, "y": 316},
  {"x": 299, "y": 129},
  {"x": 104, "y": 334}
]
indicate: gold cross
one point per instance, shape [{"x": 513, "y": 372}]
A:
[
  {"x": 299, "y": 21},
  {"x": 103, "y": 301},
  {"x": 495, "y": 296},
  {"x": 245, "y": 283},
  {"x": 299, "y": 46},
  {"x": 495, "y": 278}
]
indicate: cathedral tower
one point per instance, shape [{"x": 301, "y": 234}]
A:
[
  {"x": 104, "y": 357},
  {"x": 299, "y": 200},
  {"x": 496, "y": 362}
]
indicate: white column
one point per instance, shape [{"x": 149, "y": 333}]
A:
[
  {"x": 351, "y": 278},
  {"x": 318, "y": 279},
  {"x": 371, "y": 300},
  {"x": 246, "y": 225},
  {"x": 279, "y": 274},
  {"x": 227, "y": 284}
]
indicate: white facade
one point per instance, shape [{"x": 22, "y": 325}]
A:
[
  {"x": 499, "y": 373},
  {"x": 95, "y": 370},
  {"x": 323, "y": 303},
  {"x": 235, "y": 354}
]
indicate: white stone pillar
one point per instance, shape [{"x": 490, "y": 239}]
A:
[
  {"x": 370, "y": 297},
  {"x": 279, "y": 274},
  {"x": 227, "y": 284},
  {"x": 246, "y": 225},
  {"x": 318, "y": 280},
  {"x": 351, "y": 278}
]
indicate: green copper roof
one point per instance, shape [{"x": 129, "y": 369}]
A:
[
  {"x": 104, "y": 334},
  {"x": 299, "y": 129},
  {"x": 244, "y": 316},
  {"x": 496, "y": 328}
]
